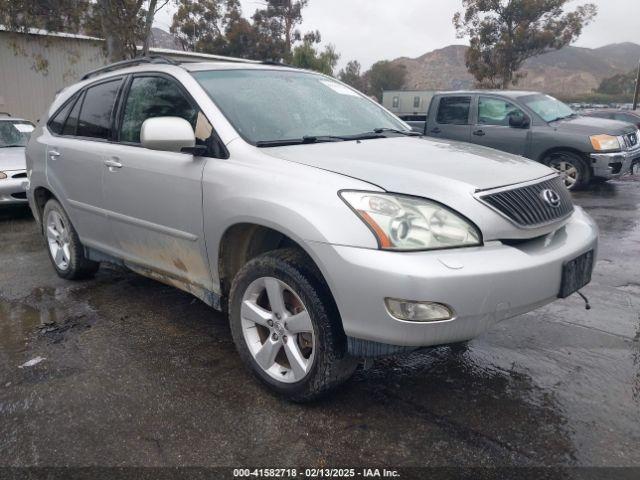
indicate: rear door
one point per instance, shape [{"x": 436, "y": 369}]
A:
[
  {"x": 492, "y": 126},
  {"x": 449, "y": 117},
  {"x": 80, "y": 134},
  {"x": 154, "y": 198}
]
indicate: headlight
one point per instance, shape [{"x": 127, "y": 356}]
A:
[
  {"x": 605, "y": 142},
  {"x": 407, "y": 223}
]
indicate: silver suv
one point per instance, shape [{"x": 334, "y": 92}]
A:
[{"x": 313, "y": 216}]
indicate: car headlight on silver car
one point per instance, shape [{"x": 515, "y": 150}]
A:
[{"x": 401, "y": 222}]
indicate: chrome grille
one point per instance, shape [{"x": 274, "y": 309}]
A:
[{"x": 526, "y": 207}]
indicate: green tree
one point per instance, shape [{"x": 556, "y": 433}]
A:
[
  {"x": 503, "y": 34},
  {"x": 351, "y": 75},
  {"x": 385, "y": 75},
  {"x": 281, "y": 17},
  {"x": 620, "y": 84},
  {"x": 306, "y": 55}
]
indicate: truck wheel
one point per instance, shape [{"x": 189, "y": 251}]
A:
[
  {"x": 574, "y": 170},
  {"x": 64, "y": 247},
  {"x": 286, "y": 327}
]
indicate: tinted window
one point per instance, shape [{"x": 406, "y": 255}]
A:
[
  {"x": 454, "y": 110},
  {"x": 95, "y": 117},
  {"x": 151, "y": 97},
  {"x": 71, "y": 124},
  {"x": 493, "y": 111},
  {"x": 56, "y": 124}
]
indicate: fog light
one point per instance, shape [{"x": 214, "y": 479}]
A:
[
  {"x": 418, "y": 311},
  {"x": 3, "y": 175}
]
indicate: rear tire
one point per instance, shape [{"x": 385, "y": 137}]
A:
[
  {"x": 573, "y": 168},
  {"x": 63, "y": 245},
  {"x": 286, "y": 326}
]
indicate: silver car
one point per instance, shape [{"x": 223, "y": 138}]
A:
[
  {"x": 14, "y": 135},
  {"x": 326, "y": 229}
]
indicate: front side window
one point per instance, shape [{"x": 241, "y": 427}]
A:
[
  {"x": 273, "y": 105},
  {"x": 493, "y": 111},
  {"x": 454, "y": 110},
  {"x": 15, "y": 133},
  {"x": 151, "y": 97},
  {"x": 548, "y": 108},
  {"x": 95, "y": 117}
]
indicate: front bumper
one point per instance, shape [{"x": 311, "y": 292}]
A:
[
  {"x": 484, "y": 285},
  {"x": 13, "y": 188},
  {"x": 612, "y": 165}
]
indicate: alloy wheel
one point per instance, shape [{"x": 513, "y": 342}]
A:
[
  {"x": 277, "y": 329},
  {"x": 58, "y": 240},
  {"x": 568, "y": 171}
]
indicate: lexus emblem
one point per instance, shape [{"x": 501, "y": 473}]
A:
[{"x": 551, "y": 198}]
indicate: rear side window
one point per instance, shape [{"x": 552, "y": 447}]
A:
[
  {"x": 71, "y": 125},
  {"x": 95, "y": 117},
  {"x": 56, "y": 124},
  {"x": 151, "y": 97},
  {"x": 454, "y": 110}
]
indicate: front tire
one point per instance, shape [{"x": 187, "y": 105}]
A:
[
  {"x": 63, "y": 245},
  {"x": 286, "y": 327},
  {"x": 575, "y": 172}
]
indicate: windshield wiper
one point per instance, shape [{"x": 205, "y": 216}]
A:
[
  {"x": 408, "y": 133},
  {"x": 299, "y": 141},
  {"x": 563, "y": 117},
  {"x": 307, "y": 139}
]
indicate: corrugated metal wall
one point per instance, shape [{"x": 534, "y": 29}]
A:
[{"x": 33, "y": 68}]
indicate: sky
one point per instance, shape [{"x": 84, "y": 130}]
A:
[{"x": 372, "y": 30}]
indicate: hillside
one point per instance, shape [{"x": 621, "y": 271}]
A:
[{"x": 572, "y": 70}]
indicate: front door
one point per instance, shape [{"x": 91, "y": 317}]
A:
[
  {"x": 492, "y": 128},
  {"x": 154, "y": 198}
]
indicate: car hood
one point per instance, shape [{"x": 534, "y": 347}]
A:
[
  {"x": 416, "y": 166},
  {"x": 593, "y": 126},
  {"x": 12, "y": 158}
]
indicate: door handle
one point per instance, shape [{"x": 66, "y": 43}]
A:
[
  {"x": 479, "y": 133},
  {"x": 112, "y": 164},
  {"x": 436, "y": 130},
  {"x": 53, "y": 154}
]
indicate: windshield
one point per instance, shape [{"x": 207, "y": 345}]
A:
[
  {"x": 272, "y": 105},
  {"x": 547, "y": 107},
  {"x": 15, "y": 133}
]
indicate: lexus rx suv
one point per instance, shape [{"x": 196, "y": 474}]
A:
[{"x": 326, "y": 229}]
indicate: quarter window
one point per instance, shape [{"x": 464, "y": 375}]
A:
[
  {"x": 95, "y": 117},
  {"x": 454, "y": 110},
  {"x": 493, "y": 111},
  {"x": 71, "y": 125},
  {"x": 151, "y": 97},
  {"x": 56, "y": 124}
]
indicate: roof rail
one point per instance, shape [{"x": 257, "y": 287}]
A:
[{"x": 129, "y": 63}]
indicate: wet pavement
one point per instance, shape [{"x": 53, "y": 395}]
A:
[{"x": 129, "y": 372}]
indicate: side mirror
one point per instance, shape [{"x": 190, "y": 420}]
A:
[
  {"x": 519, "y": 121},
  {"x": 169, "y": 134}
]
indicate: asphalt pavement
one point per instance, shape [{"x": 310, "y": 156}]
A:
[{"x": 124, "y": 371}]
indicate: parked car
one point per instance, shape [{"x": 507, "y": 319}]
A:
[
  {"x": 628, "y": 116},
  {"x": 14, "y": 135},
  {"x": 538, "y": 127},
  {"x": 326, "y": 229}
]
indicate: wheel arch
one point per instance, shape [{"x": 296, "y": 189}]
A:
[{"x": 575, "y": 151}]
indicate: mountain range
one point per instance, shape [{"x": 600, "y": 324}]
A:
[{"x": 566, "y": 72}]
